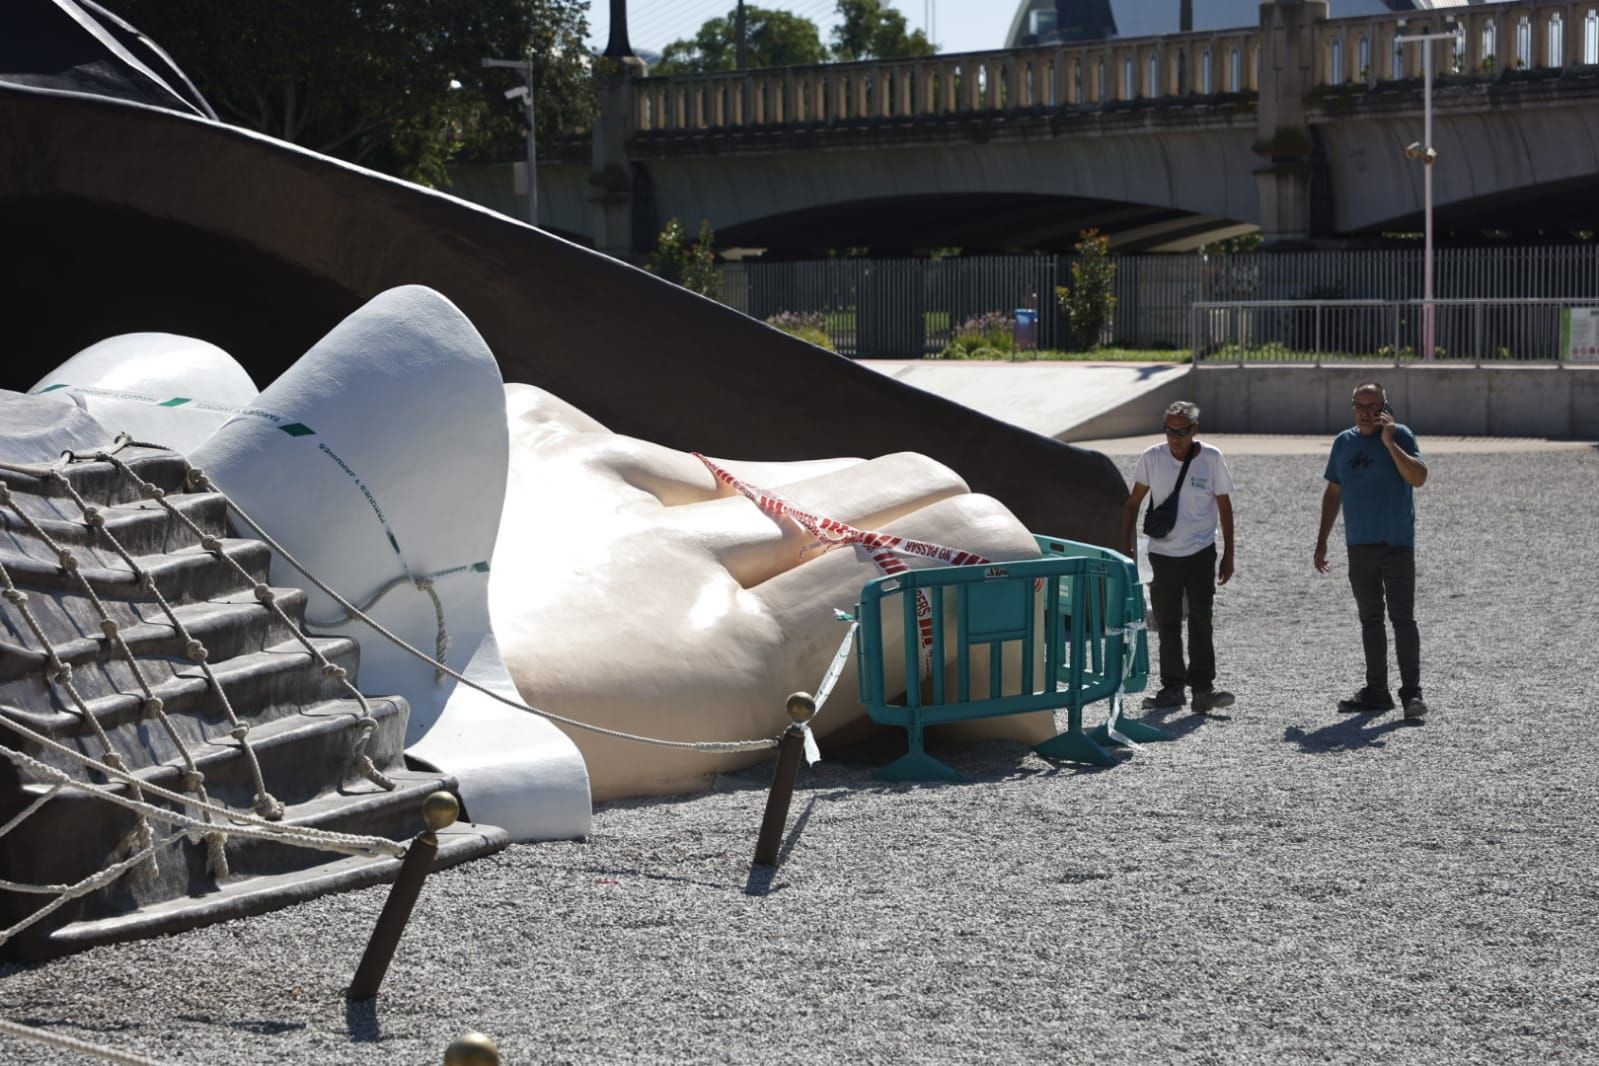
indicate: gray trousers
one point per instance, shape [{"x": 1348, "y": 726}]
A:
[{"x": 1379, "y": 572}]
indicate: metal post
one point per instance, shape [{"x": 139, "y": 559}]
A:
[
  {"x": 526, "y": 91},
  {"x": 532, "y": 153},
  {"x": 801, "y": 709},
  {"x": 1428, "y": 312},
  {"x": 439, "y": 811},
  {"x": 741, "y": 37}
]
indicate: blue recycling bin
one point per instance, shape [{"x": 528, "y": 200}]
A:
[{"x": 1024, "y": 335}]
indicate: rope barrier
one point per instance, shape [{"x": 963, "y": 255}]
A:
[{"x": 70, "y": 1043}]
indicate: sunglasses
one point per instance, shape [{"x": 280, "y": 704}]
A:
[{"x": 1186, "y": 431}]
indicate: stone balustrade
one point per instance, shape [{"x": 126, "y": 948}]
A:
[{"x": 1512, "y": 36}]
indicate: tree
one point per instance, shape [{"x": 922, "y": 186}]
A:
[
  {"x": 773, "y": 39},
  {"x": 692, "y": 266},
  {"x": 1089, "y": 304},
  {"x": 872, "y": 30},
  {"x": 396, "y": 85}
]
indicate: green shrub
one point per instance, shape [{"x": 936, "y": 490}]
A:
[
  {"x": 990, "y": 335},
  {"x": 1089, "y": 303},
  {"x": 691, "y": 265},
  {"x": 808, "y": 326}
]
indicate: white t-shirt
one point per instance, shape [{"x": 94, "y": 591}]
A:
[{"x": 1208, "y": 477}]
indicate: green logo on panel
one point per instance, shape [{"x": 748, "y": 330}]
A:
[
  {"x": 51, "y": 388},
  {"x": 176, "y": 401},
  {"x": 298, "y": 429}
]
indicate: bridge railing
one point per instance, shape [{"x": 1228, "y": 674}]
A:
[
  {"x": 1490, "y": 40},
  {"x": 1523, "y": 35},
  {"x": 1021, "y": 80}
]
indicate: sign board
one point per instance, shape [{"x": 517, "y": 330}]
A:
[{"x": 1579, "y": 334}]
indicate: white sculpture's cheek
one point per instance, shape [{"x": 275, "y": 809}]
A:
[{"x": 159, "y": 388}]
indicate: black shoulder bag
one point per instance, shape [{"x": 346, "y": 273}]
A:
[{"x": 1159, "y": 521}]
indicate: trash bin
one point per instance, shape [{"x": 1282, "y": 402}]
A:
[{"x": 1024, "y": 335}]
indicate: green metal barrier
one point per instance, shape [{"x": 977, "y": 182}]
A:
[{"x": 1054, "y": 631}]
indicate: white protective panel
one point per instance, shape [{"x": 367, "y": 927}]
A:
[
  {"x": 379, "y": 461},
  {"x": 159, "y": 388}
]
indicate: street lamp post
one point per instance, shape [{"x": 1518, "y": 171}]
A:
[
  {"x": 525, "y": 91},
  {"x": 1424, "y": 151}
]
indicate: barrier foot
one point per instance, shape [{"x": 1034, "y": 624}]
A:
[
  {"x": 1075, "y": 746},
  {"x": 439, "y": 811},
  {"x": 801, "y": 709},
  {"x": 917, "y": 766},
  {"x": 1133, "y": 730}
]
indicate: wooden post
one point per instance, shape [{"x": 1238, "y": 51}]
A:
[
  {"x": 801, "y": 709},
  {"x": 439, "y": 811}
]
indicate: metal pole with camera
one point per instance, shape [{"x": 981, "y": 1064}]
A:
[
  {"x": 525, "y": 93},
  {"x": 1424, "y": 151}
]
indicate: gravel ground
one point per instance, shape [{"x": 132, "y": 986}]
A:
[{"x": 1282, "y": 884}]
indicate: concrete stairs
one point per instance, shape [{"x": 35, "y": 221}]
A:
[{"x": 304, "y": 729}]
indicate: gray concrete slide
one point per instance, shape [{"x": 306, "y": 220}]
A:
[{"x": 121, "y": 217}]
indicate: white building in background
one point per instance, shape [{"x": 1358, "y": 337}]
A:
[{"x": 1052, "y": 21}]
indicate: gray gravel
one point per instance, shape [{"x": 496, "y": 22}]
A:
[{"x": 1283, "y": 884}]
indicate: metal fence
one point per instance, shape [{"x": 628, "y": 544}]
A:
[
  {"x": 910, "y": 308},
  {"x": 1387, "y": 331}
]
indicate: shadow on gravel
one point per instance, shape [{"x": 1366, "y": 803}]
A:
[
  {"x": 1358, "y": 731},
  {"x": 1179, "y": 721},
  {"x": 761, "y": 878},
  {"x": 361, "y": 1021}
]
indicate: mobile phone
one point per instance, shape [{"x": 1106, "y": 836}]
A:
[{"x": 1387, "y": 409}]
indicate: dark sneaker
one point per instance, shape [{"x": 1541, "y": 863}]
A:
[
  {"x": 1165, "y": 700},
  {"x": 1415, "y": 708},
  {"x": 1365, "y": 701},
  {"x": 1211, "y": 699}
]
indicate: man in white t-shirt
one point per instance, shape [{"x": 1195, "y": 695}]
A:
[{"x": 1184, "y": 559}]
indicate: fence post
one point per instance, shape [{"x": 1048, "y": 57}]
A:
[
  {"x": 1318, "y": 333},
  {"x": 1397, "y": 306}
]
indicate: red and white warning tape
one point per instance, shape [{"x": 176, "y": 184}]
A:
[{"x": 888, "y": 551}]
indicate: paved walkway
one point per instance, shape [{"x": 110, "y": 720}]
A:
[{"x": 1048, "y": 398}]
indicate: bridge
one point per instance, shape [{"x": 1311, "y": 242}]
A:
[{"x": 1296, "y": 126}]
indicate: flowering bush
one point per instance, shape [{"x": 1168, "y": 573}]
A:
[
  {"x": 989, "y": 335},
  {"x": 809, "y": 326}
]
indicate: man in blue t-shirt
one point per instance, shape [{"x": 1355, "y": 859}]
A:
[{"x": 1373, "y": 472}]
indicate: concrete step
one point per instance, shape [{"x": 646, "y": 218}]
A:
[
  {"x": 249, "y": 896},
  {"x": 269, "y": 684},
  {"x": 142, "y": 527},
  {"x": 188, "y": 575},
  {"x": 236, "y": 624}
]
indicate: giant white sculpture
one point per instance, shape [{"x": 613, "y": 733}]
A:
[
  {"x": 633, "y": 591},
  {"x": 623, "y": 586}
]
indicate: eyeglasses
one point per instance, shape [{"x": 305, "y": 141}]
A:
[
  {"x": 1369, "y": 408},
  {"x": 1186, "y": 431}
]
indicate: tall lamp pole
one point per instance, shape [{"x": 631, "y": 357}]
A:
[
  {"x": 1424, "y": 151},
  {"x": 525, "y": 91}
]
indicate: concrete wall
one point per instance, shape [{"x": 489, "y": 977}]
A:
[{"x": 1500, "y": 401}]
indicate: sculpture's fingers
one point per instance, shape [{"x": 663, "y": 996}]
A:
[
  {"x": 755, "y": 546},
  {"x": 802, "y": 601}
]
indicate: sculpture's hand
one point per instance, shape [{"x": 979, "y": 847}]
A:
[{"x": 633, "y": 590}]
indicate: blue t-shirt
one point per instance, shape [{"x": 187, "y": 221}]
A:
[{"x": 1379, "y": 505}]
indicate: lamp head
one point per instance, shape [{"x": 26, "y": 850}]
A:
[
  {"x": 1413, "y": 150},
  {"x": 517, "y": 93}
]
